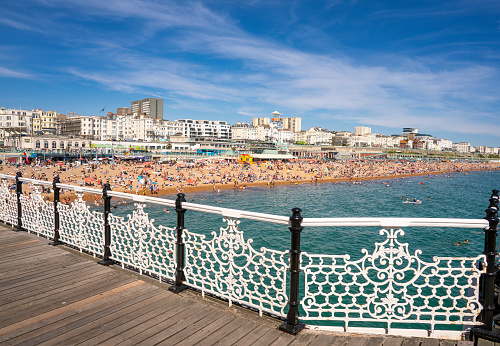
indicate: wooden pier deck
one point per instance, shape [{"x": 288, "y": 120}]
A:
[{"x": 57, "y": 296}]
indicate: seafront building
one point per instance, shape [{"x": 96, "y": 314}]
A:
[
  {"x": 143, "y": 123},
  {"x": 150, "y": 107}
]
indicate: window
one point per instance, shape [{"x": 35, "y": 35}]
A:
[
  {"x": 76, "y": 144},
  {"x": 54, "y": 145},
  {"x": 69, "y": 144},
  {"x": 37, "y": 144},
  {"x": 83, "y": 144},
  {"x": 46, "y": 144},
  {"x": 61, "y": 145}
]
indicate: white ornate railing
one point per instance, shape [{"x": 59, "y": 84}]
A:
[
  {"x": 389, "y": 289},
  {"x": 138, "y": 243}
]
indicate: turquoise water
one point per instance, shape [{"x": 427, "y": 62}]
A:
[{"x": 457, "y": 195}]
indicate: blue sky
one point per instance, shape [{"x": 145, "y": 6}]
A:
[{"x": 338, "y": 64}]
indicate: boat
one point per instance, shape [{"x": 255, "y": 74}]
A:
[{"x": 411, "y": 202}]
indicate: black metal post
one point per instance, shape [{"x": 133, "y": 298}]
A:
[
  {"x": 19, "y": 192},
  {"x": 57, "y": 236},
  {"x": 292, "y": 324},
  {"x": 487, "y": 331},
  {"x": 106, "y": 261},
  {"x": 179, "y": 275},
  {"x": 490, "y": 252}
]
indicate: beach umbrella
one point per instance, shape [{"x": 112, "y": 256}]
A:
[
  {"x": 88, "y": 180},
  {"x": 190, "y": 181}
]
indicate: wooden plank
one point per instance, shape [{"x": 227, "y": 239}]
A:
[
  {"x": 329, "y": 339},
  {"x": 27, "y": 255},
  {"x": 237, "y": 334},
  {"x": 15, "y": 262},
  {"x": 284, "y": 339},
  {"x": 429, "y": 342},
  {"x": 156, "y": 332},
  {"x": 412, "y": 342},
  {"x": 193, "y": 326},
  {"x": 252, "y": 337},
  {"x": 32, "y": 268},
  {"x": 59, "y": 289},
  {"x": 269, "y": 337},
  {"x": 375, "y": 341},
  {"x": 112, "y": 303},
  {"x": 207, "y": 329},
  {"x": 466, "y": 343},
  {"x": 357, "y": 341},
  {"x": 230, "y": 327},
  {"x": 69, "y": 333},
  {"x": 17, "y": 244},
  {"x": 393, "y": 341},
  {"x": 118, "y": 325},
  {"x": 307, "y": 338},
  {"x": 41, "y": 279},
  {"x": 73, "y": 306},
  {"x": 68, "y": 296}
]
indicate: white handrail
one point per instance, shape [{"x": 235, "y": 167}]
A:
[
  {"x": 79, "y": 188},
  {"x": 393, "y": 222},
  {"x": 142, "y": 199},
  {"x": 6, "y": 176},
  {"x": 36, "y": 182}
]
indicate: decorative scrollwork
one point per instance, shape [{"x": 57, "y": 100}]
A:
[
  {"x": 80, "y": 227},
  {"x": 8, "y": 207},
  {"x": 138, "y": 243},
  {"x": 391, "y": 285},
  {"x": 229, "y": 267},
  {"x": 38, "y": 215}
]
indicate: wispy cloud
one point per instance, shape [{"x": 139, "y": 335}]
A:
[
  {"x": 6, "y": 72},
  {"x": 197, "y": 56}
]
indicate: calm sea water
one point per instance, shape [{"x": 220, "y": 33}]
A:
[{"x": 457, "y": 195}]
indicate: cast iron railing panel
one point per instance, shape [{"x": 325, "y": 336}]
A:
[
  {"x": 227, "y": 266},
  {"x": 391, "y": 285},
  {"x": 81, "y": 227},
  {"x": 8, "y": 207},
  {"x": 138, "y": 243},
  {"x": 38, "y": 214}
]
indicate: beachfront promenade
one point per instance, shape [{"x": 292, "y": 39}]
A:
[{"x": 54, "y": 295}]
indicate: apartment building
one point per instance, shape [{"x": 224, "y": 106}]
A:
[
  {"x": 151, "y": 107},
  {"x": 15, "y": 122},
  {"x": 244, "y": 131},
  {"x": 205, "y": 128},
  {"x": 293, "y": 124}
]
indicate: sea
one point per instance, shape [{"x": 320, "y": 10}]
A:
[{"x": 452, "y": 195}]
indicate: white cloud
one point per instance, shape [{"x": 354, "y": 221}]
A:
[
  {"x": 6, "y": 72},
  {"x": 220, "y": 62}
]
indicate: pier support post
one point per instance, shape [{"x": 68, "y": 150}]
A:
[
  {"x": 19, "y": 193},
  {"x": 106, "y": 261},
  {"x": 292, "y": 324},
  {"x": 487, "y": 332},
  {"x": 179, "y": 275},
  {"x": 57, "y": 236},
  {"x": 490, "y": 252}
]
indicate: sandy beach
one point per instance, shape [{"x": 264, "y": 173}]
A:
[{"x": 157, "y": 179}]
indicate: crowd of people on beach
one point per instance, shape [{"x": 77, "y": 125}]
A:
[{"x": 155, "y": 178}]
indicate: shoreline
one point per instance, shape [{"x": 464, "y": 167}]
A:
[
  {"x": 172, "y": 191},
  {"x": 171, "y": 179}
]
